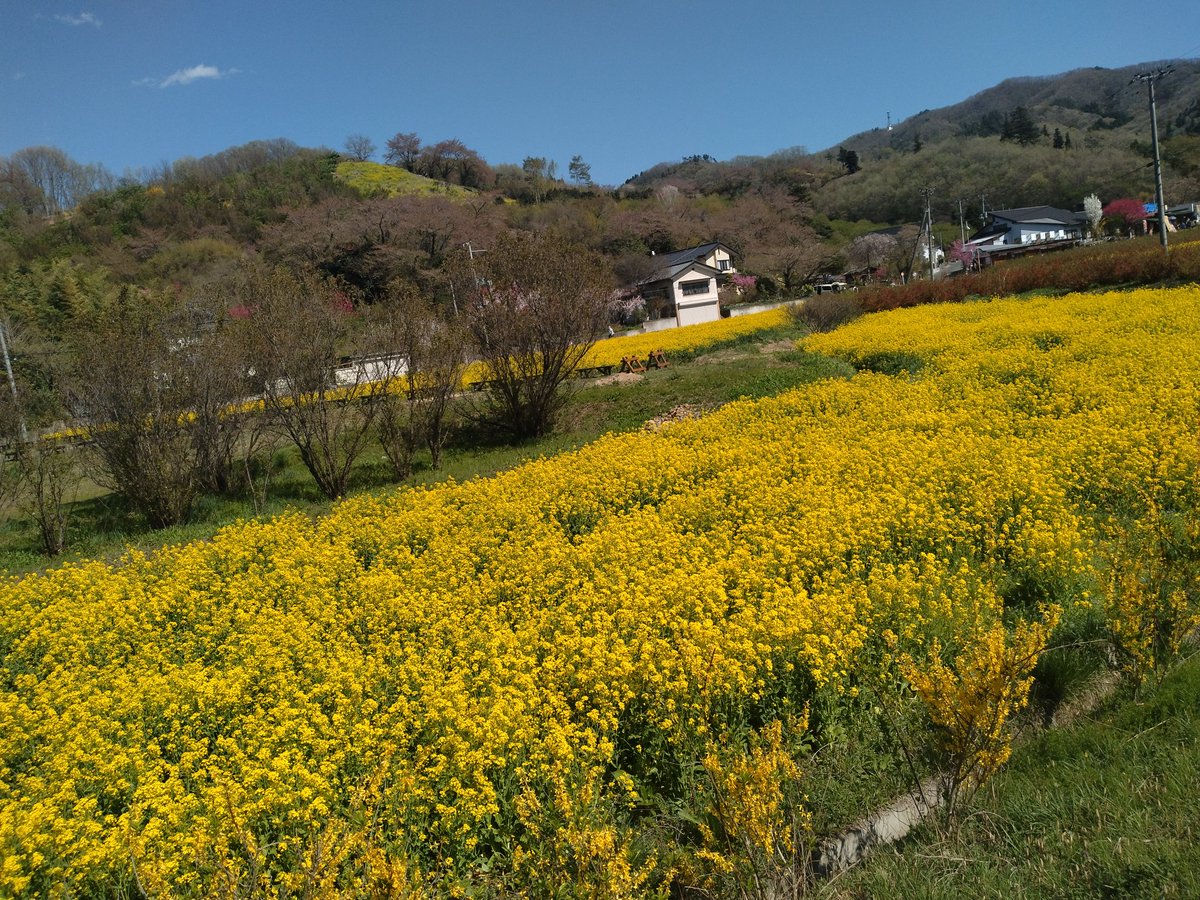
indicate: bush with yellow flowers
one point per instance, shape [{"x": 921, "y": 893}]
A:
[{"x": 518, "y": 681}]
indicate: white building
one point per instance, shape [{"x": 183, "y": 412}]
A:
[
  {"x": 1028, "y": 225},
  {"x": 685, "y": 284}
]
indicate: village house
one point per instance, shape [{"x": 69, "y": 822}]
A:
[
  {"x": 1027, "y": 225},
  {"x": 684, "y": 284}
]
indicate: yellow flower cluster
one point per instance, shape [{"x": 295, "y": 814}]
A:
[
  {"x": 414, "y": 683},
  {"x": 971, "y": 698},
  {"x": 689, "y": 338},
  {"x": 749, "y": 808}
]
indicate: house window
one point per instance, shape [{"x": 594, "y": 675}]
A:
[
  {"x": 723, "y": 265},
  {"x": 690, "y": 288}
]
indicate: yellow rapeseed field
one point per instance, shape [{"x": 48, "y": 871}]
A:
[{"x": 481, "y": 684}]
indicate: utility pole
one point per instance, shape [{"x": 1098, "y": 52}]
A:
[
  {"x": 983, "y": 207},
  {"x": 12, "y": 382},
  {"x": 471, "y": 252},
  {"x": 1149, "y": 78},
  {"x": 927, "y": 225},
  {"x": 962, "y": 223}
]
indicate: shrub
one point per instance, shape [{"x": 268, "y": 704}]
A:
[
  {"x": 825, "y": 312},
  {"x": 1126, "y": 263}
]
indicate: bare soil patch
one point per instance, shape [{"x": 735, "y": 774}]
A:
[
  {"x": 782, "y": 346},
  {"x": 620, "y": 378},
  {"x": 680, "y": 413}
]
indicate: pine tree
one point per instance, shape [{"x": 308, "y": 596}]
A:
[{"x": 1020, "y": 127}]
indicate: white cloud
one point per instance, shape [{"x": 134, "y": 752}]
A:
[
  {"x": 187, "y": 76},
  {"x": 84, "y": 18}
]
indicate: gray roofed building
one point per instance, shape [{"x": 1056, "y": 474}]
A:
[
  {"x": 706, "y": 253},
  {"x": 1029, "y": 224}
]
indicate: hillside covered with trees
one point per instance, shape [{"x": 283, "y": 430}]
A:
[
  {"x": 789, "y": 216},
  {"x": 1025, "y": 142}
]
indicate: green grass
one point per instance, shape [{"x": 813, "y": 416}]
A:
[
  {"x": 375, "y": 179},
  {"x": 1103, "y": 808},
  {"x": 759, "y": 365}
]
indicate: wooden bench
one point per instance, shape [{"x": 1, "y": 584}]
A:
[{"x": 595, "y": 371}]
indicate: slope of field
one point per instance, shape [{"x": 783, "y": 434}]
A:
[{"x": 596, "y": 673}]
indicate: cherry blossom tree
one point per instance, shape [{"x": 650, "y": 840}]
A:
[
  {"x": 403, "y": 150},
  {"x": 1127, "y": 213},
  {"x": 1093, "y": 211},
  {"x": 965, "y": 254}
]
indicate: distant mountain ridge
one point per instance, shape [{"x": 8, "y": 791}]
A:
[
  {"x": 1082, "y": 101},
  {"x": 1082, "y": 132}
]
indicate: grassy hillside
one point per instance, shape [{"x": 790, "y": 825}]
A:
[
  {"x": 1096, "y": 105},
  {"x": 377, "y": 180},
  {"x": 957, "y": 151}
]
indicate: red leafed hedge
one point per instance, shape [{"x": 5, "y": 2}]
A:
[{"x": 1124, "y": 263}]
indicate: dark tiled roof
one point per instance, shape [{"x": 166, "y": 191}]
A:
[
  {"x": 670, "y": 271},
  {"x": 1038, "y": 215},
  {"x": 688, "y": 254}
]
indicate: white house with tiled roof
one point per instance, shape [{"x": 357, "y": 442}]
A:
[{"x": 684, "y": 285}]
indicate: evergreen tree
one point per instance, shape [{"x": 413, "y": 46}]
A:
[
  {"x": 1020, "y": 127},
  {"x": 1058, "y": 140},
  {"x": 581, "y": 172},
  {"x": 849, "y": 159}
]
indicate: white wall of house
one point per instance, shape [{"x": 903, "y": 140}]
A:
[
  {"x": 720, "y": 260},
  {"x": 692, "y": 307},
  {"x": 651, "y": 325},
  {"x": 709, "y": 311},
  {"x": 1028, "y": 234}
]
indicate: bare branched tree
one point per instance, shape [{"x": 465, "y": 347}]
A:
[
  {"x": 320, "y": 366},
  {"x": 131, "y": 380},
  {"x": 10, "y": 445},
  {"x": 403, "y": 149},
  {"x": 871, "y": 251},
  {"x": 535, "y": 305},
  {"x": 214, "y": 357},
  {"x": 359, "y": 147},
  {"x": 38, "y": 476},
  {"x": 433, "y": 349},
  {"x": 50, "y": 476}
]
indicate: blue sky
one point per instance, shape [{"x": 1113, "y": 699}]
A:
[{"x": 135, "y": 83}]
